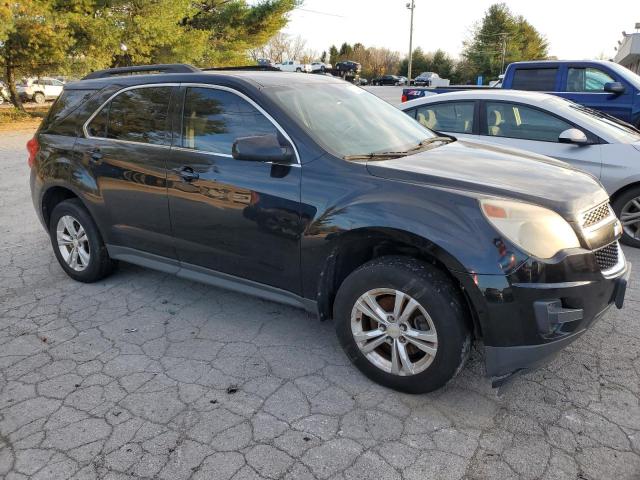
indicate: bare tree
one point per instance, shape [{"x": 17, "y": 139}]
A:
[
  {"x": 282, "y": 47},
  {"x": 382, "y": 60}
]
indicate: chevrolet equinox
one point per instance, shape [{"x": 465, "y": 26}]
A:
[{"x": 308, "y": 190}]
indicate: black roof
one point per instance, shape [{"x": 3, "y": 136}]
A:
[{"x": 253, "y": 77}]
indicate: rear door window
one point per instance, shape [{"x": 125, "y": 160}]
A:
[
  {"x": 213, "y": 119},
  {"x": 518, "y": 121},
  {"x": 535, "y": 79},
  {"x": 455, "y": 117},
  {"x": 137, "y": 115}
]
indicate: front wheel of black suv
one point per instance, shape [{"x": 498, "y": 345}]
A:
[
  {"x": 403, "y": 323},
  {"x": 77, "y": 243},
  {"x": 627, "y": 209}
]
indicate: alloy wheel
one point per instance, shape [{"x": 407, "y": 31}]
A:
[
  {"x": 630, "y": 218},
  {"x": 73, "y": 243},
  {"x": 394, "y": 332}
]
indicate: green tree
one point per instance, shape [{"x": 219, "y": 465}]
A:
[
  {"x": 233, "y": 27},
  {"x": 439, "y": 62},
  {"x": 501, "y": 32},
  {"x": 345, "y": 51},
  {"x": 5, "y": 19},
  {"x": 36, "y": 40},
  {"x": 76, "y": 36},
  {"x": 333, "y": 55}
]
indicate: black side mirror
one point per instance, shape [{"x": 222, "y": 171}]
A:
[
  {"x": 614, "y": 87},
  {"x": 261, "y": 148}
]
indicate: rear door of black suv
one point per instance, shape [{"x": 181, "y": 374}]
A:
[{"x": 125, "y": 148}]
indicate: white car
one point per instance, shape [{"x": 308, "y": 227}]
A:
[
  {"x": 294, "y": 66},
  {"x": 549, "y": 125},
  {"x": 40, "y": 89},
  {"x": 320, "y": 66}
]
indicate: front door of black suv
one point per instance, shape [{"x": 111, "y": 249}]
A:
[
  {"x": 125, "y": 149},
  {"x": 232, "y": 216}
]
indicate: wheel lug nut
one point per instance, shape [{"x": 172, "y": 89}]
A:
[
  {"x": 403, "y": 327},
  {"x": 383, "y": 328},
  {"x": 402, "y": 340}
]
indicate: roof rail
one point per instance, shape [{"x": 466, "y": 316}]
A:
[
  {"x": 258, "y": 68},
  {"x": 159, "y": 68}
]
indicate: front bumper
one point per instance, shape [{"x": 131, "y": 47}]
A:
[{"x": 526, "y": 318}]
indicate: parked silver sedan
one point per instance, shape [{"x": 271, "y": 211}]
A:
[{"x": 549, "y": 125}]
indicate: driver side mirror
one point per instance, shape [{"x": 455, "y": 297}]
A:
[
  {"x": 614, "y": 87},
  {"x": 574, "y": 136},
  {"x": 261, "y": 148}
]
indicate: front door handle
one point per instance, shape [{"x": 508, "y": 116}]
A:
[
  {"x": 95, "y": 156},
  {"x": 187, "y": 174}
]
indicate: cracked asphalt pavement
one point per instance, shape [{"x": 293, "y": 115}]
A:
[{"x": 145, "y": 375}]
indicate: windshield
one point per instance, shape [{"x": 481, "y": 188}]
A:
[
  {"x": 602, "y": 123},
  {"x": 349, "y": 121}
]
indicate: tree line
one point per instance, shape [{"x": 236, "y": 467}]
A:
[
  {"x": 72, "y": 37},
  {"x": 500, "y": 38}
]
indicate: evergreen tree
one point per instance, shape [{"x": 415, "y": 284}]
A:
[
  {"x": 500, "y": 31},
  {"x": 333, "y": 55}
]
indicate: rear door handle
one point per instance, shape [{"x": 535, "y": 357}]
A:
[{"x": 187, "y": 174}]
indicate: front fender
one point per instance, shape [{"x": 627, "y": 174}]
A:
[{"x": 448, "y": 223}]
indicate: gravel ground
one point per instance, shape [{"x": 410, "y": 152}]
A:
[{"x": 149, "y": 376}]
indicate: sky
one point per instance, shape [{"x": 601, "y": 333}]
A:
[{"x": 575, "y": 29}]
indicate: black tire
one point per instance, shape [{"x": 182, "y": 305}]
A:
[
  {"x": 618, "y": 205},
  {"x": 100, "y": 265},
  {"x": 439, "y": 297},
  {"x": 39, "y": 98}
]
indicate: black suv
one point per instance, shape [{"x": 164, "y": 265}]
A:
[{"x": 310, "y": 191}]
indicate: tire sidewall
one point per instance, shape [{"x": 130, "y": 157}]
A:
[
  {"x": 618, "y": 205},
  {"x": 432, "y": 289},
  {"x": 76, "y": 210}
]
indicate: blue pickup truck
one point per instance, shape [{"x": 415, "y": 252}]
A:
[{"x": 601, "y": 85}]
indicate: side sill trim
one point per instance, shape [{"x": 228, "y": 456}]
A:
[
  {"x": 549, "y": 286},
  {"x": 210, "y": 277}
]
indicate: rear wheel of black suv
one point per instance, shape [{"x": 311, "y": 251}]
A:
[
  {"x": 402, "y": 322},
  {"x": 77, "y": 243}
]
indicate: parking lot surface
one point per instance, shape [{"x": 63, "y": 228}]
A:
[
  {"x": 145, "y": 375},
  {"x": 391, "y": 94}
]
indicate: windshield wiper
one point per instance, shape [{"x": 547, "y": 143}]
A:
[
  {"x": 429, "y": 141},
  {"x": 388, "y": 155}
]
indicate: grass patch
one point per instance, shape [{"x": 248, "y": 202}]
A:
[{"x": 14, "y": 119}]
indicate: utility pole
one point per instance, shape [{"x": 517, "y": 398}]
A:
[
  {"x": 411, "y": 5},
  {"x": 504, "y": 50}
]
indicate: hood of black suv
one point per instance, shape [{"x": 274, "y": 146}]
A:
[{"x": 492, "y": 170}]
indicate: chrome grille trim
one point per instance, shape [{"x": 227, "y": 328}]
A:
[
  {"x": 593, "y": 217},
  {"x": 610, "y": 259}
]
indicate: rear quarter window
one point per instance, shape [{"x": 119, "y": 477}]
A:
[{"x": 56, "y": 120}]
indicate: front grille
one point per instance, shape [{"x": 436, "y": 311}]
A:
[
  {"x": 607, "y": 257},
  {"x": 596, "y": 215}
]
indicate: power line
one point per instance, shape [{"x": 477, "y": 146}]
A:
[{"x": 319, "y": 13}]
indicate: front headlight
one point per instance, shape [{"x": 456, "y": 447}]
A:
[{"x": 537, "y": 230}]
